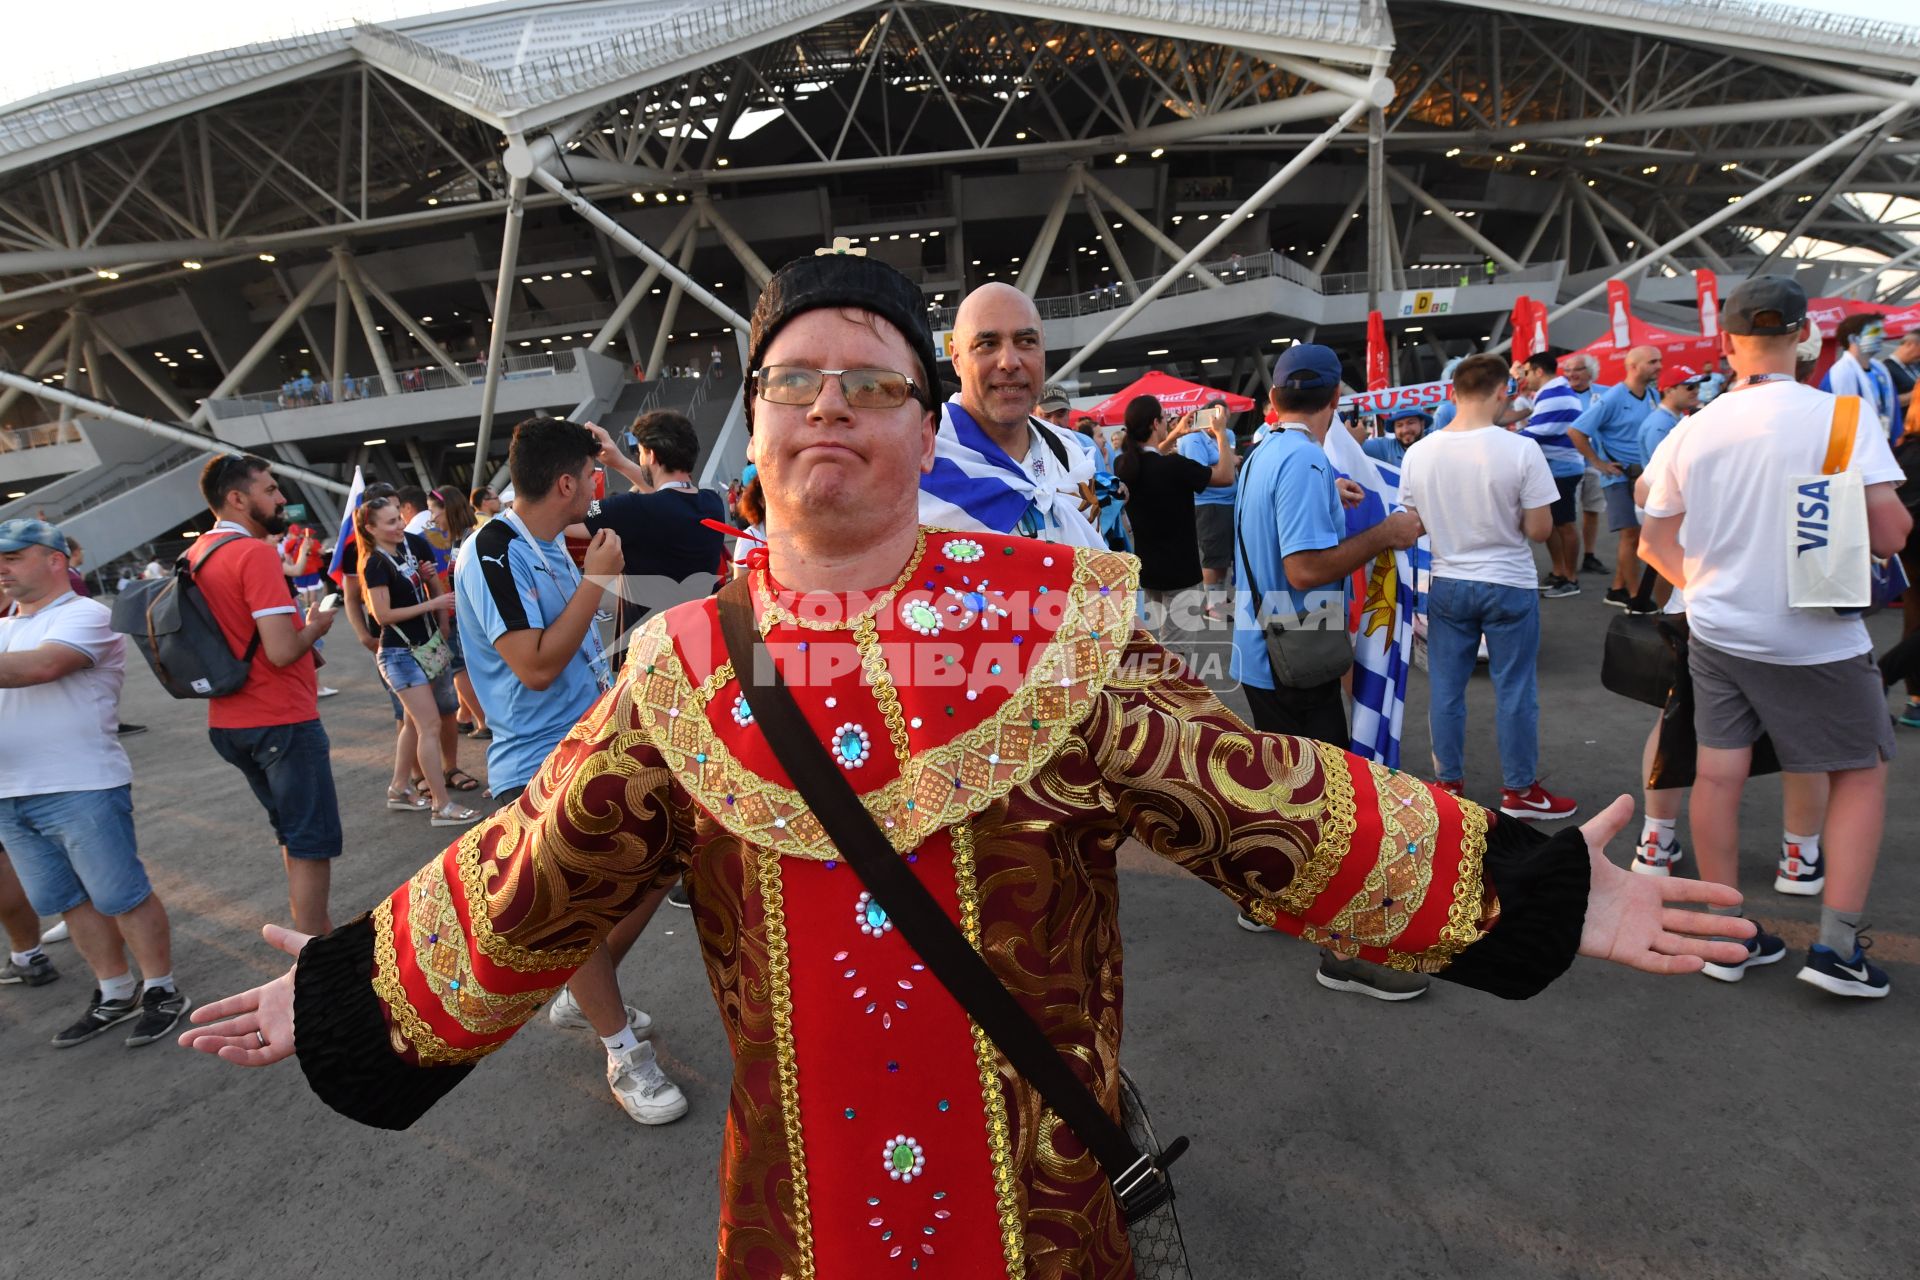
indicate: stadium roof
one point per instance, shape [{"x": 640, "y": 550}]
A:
[{"x": 253, "y": 149}]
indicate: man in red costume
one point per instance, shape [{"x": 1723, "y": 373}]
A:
[{"x": 1007, "y": 726}]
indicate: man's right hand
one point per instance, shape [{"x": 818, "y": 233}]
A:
[
  {"x": 604, "y": 558},
  {"x": 608, "y": 449},
  {"x": 1609, "y": 468},
  {"x": 258, "y": 1026},
  {"x": 1403, "y": 529}
]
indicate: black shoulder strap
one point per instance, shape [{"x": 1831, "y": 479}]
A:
[
  {"x": 1139, "y": 1180},
  {"x": 1058, "y": 449},
  {"x": 253, "y": 642}
]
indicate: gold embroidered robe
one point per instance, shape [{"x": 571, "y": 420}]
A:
[{"x": 1008, "y": 726}]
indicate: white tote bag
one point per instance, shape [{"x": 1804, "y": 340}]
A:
[{"x": 1829, "y": 554}]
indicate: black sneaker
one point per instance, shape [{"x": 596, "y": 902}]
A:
[
  {"x": 159, "y": 1010},
  {"x": 1641, "y": 607},
  {"x": 1856, "y": 977},
  {"x": 130, "y": 730},
  {"x": 101, "y": 1014},
  {"x": 1592, "y": 564},
  {"x": 1762, "y": 948},
  {"x": 677, "y": 897},
  {"x": 1363, "y": 978},
  {"x": 1618, "y": 598},
  {"x": 37, "y": 972}
]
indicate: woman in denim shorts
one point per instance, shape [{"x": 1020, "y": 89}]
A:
[{"x": 394, "y": 581}]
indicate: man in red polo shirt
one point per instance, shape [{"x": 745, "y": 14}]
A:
[{"x": 270, "y": 730}]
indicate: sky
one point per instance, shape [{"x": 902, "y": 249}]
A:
[{"x": 47, "y": 49}]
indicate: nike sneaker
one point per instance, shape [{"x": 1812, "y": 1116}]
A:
[
  {"x": 1801, "y": 871},
  {"x": 1656, "y": 857},
  {"x": 1853, "y": 977},
  {"x": 1762, "y": 948},
  {"x": 642, "y": 1088},
  {"x": 1535, "y": 804}
]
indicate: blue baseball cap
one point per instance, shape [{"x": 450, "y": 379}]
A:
[
  {"x": 1399, "y": 414},
  {"x": 1307, "y": 366},
  {"x": 18, "y": 535}
]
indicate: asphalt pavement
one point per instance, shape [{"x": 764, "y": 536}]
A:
[{"x": 1617, "y": 1126}]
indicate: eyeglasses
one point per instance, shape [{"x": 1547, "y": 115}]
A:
[
  {"x": 374, "y": 504},
  {"x": 863, "y": 388}
]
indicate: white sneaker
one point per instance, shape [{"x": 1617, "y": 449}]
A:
[
  {"x": 1801, "y": 872},
  {"x": 325, "y": 691},
  {"x": 56, "y": 934},
  {"x": 1653, "y": 858},
  {"x": 565, "y": 1012},
  {"x": 642, "y": 1088}
]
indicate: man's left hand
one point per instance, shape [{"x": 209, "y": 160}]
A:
[
  {"x": 1630, "y": 920},
  {"x": 1351, "y": 494}
]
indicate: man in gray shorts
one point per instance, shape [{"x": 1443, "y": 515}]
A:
[{"x": 1717, "y": 527}]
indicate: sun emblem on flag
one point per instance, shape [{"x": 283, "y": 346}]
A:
[{"x": 1383, "y": 595}]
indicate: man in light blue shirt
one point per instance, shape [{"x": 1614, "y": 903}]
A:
[
  {"x": 540, "y": 668},
  {"x": 1293, "y": 555},
  {"x": 1213, "y": 514},
  {"x": 1679, "y": 396},
  {"x": 1293, "y": 559},
  {"x": 1407, "y": 425},
  {"x": 1608, "y": 436}
]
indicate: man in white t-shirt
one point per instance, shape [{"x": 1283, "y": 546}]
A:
[
  {"x": 1483, "y": 494},
  {"x": 1718, "y": 529},
  {"x": 66, "y": 813}
]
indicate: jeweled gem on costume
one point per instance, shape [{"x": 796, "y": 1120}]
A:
[
  {"x": 851, "y": 745},
  {"x": 904, "y": 1158},
  {"x": 870, "y": 916}
]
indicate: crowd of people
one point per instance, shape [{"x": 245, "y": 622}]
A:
[{"x": 898, "y": 550}]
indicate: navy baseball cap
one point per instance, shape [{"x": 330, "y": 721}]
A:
[
  {"x": 1307, "y": 366},
  {"x": 1765, "y": 306},
  {"x": 18, "y": 535}
]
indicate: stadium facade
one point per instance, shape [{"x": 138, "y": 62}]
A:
[{"x": 383, "y": 245}]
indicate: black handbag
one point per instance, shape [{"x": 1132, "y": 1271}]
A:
[
  {"x": 1140, "y": 1180},
  {"x": 1640, "y": 659},
  {"x": 1675, "y": 750}
]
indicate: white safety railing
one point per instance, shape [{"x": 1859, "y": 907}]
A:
[
  {"x": 14, "y": 439},
  {"x": 309, "y": 393}
]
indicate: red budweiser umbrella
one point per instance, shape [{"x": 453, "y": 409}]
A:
[{"x": 1175, "y": 395}]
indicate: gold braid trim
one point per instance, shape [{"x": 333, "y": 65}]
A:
[
  {"x": 1004, "y": 751},
  {"x": 1337, "y": 824},
  {"x": 999, "y": 1146},
  {"x": 781, "y": 1002},
  {"x": 776, "y": 613},
  {"x": 410, "y": 1030},
  {"x": 1464, "y": 914},
  {"x": 711, "y": 685},
  {"x": 873, "y": 665},
  {"x": 496, "y": 948}
]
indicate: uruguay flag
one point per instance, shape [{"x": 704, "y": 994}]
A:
[
  {"x": 1394, "y": 591},
  {"x": 346, "y": 539}
]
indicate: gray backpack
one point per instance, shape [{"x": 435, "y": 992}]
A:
[{"x": 170, "y": 623}]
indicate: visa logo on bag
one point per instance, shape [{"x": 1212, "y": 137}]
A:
[{"x": 1813, "y": 513}]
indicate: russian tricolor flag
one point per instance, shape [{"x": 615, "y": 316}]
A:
[{"x": 355, "y": 492}]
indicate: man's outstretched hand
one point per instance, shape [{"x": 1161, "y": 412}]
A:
[
  {"x": 1630, "y": 919},
  {"x": 257, "y": 1030}
]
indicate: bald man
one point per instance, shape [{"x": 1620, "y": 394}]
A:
[
  {"x": 997, "y": 467},
  {"x": 1608, "y": 437}
]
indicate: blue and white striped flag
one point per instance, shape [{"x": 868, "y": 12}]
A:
[
  {"x": 975, "y": 485},
  {"x": 1396, "y": 591}
]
